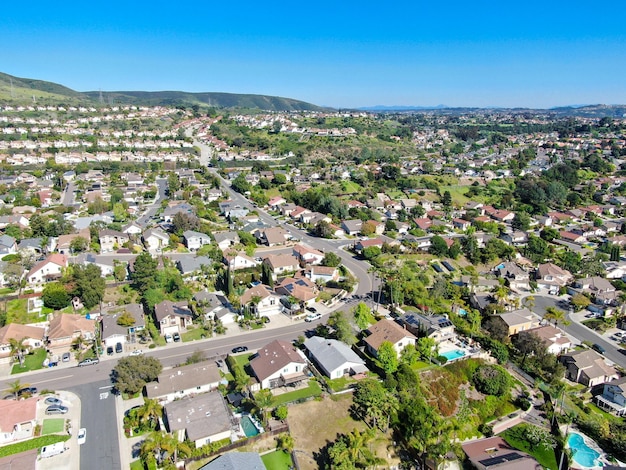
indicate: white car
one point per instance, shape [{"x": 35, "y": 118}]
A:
[
  {"x": 312, "y": 317},
  {"x": 137, "y": 352},
  {"x": 168, "y": 338},
  {"x": 82, "y": 436}
]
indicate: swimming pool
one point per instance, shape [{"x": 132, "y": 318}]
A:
[
  {"x": 462, "y": 312},
  {"x": 249, "y": 429},
  {"x": 454, "y": 354},
  {"x": 582, "y": 453}
]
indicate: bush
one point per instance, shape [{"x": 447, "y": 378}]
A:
[
  {"x": 442, "y": 359},
  {"x": 492, "y": 380}
]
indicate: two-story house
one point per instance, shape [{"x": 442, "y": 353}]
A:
[
  {"x": 279, "y": 363},
  {"x": 388, "y": 330},
  {"x": 112, "y": 240},
  {"x": 173, "y": 317},
  {"x": 613, "y": 397},
  {"x": 195, "y": 240}
]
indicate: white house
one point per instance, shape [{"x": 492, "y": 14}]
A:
[
  {"x": 279, "y": 363},
  {"x": 196, "y": 240},
  {"x": 334, "y": 358},
  {"x": 155, "y": 239},
  {"x": 268, "y": 301},
  {"x": 48, "y": 269}
]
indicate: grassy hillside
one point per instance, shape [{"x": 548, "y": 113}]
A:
[{"x": 22, "y": 90}]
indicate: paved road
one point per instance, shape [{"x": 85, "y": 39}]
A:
[
  {"x": 144, "y": 220},
  {"x": 575, "y": 329},
  {"x": 99, "y": 418},
  {"x": 68, "y": 194}
]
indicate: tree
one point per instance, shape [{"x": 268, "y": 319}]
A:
[
  {"x": 331, "y": 259},
  {"x": 580, "y": 301},
  {"x": 473, "y": 319},
  {"x": 521, "y": 221},
  {"x": 133, "y": 372},
  {"x": 120, "y": 272},
  {"x": 438, "y": 246},
  {"x": 120, "y": 214},
  {"x": 17, "y": 349},
  {"x": 150, "y": 412},
  {"x": 15, "y": 387},
  {"x": 387, "y": 357},
  {"x": 267, "y": 276},
  {"x": 55, "y": 296},
  {"x": 528, "y": 343},
  {"x": 491, "y": 380},
  {"x": 89, "y": 284},
  {"x": 352, "y": 450},
  {"x": 262, "y": 401},
  {"x": 285, "y": 442},
  {"x": 373, "y": 402},
  {"x": 427, "y": 347},
  {"x": 126, "y": 319},
  {"x": 79, "y": 244},
  {"x": 343, "y": 330},
  {"x": 182, "y": 222},
  {"x": 363, "y": 315},
  {"x": 446, "y": 200},
  {"x": 553, "y": 313},
  {"x": 144, "y": 272},
  {"x": 281, "y": 412},
  {"x": 496, "y": 327}
]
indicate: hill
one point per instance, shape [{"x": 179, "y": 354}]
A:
[{"x": 18, "y": 90}]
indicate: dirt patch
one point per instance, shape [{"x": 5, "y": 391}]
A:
[{"x": 315, "y": 424}]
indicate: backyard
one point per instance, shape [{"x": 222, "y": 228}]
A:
[
  {"x": 277, "y": 460},
  {"x": 516, "y": 437}
]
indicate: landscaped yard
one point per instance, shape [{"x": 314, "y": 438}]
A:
[
  {"x": 32, "y": 444},
  {"x": 312, "y": 390},
  {"x": 515, "y": 437},
  {"x": 17, "y": 312},
  {"x": 277, "y": 460},
  {"x": 31, "y": 362},
  {"x": 194, "y": 334},
  {"x": 53, "y": 426}
]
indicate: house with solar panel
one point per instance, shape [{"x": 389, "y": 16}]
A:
[{"x": 438, "y": 327}]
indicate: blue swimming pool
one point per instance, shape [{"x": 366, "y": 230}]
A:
[
  {"x": 582, "y": 453},
  {"x": 249, "y": 429},
  {"x": 462, "y": 312},
  {"x": 454, "y": 354}
]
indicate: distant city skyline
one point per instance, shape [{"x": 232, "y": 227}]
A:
[{"x": 339, "y": 54}]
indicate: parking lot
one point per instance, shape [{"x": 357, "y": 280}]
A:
[{"x": 70, "y": 458}]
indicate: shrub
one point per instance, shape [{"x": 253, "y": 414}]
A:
[{"x": 492, "y": 380}]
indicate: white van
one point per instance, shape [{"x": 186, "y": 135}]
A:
[{"x": 53, "y": 449}]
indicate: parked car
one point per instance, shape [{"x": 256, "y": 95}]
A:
[
  {"x": 176, "y": 337},
  {"x": 312, "y": 309},
  {"x": 168, "y": 338},
  {"x": 82, "y": 436},
  {"x": 52, "y": 401},
  {"x": 598, "y": 348},
  {"x": 119, "y": 348},
  {"x": 53, "y": 363},
  {"x": 56, "y": 410},
  {"x": 88, "y": 362},
  {"x": 27, "y": 392},
  {"x": 137, "y": 352},
  {"x": 65, "y": 357},
  {"x": 313, "y": 317},
  {"x": 240, "y": 349},
  {"x": 109, "y": 350}
]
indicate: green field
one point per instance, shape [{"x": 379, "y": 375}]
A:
[
  {"x": 277, "y": 460},
  {"x": 31, "y": 362},
  {"x": 53, "y": 426}
]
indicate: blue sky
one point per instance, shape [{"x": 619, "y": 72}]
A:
[{"x": 342, "y": 54}]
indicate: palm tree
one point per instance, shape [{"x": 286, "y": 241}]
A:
[
  {"x": 553, "y": 313},
  {"x": 529, "y": 302},
  {"x": 358, "y": 448},
  {"x": 17, "y": 349},
  {"x": 263, "y": 400},
  {"x": 501, "y": 294},
  {"x": 150, "y": 412},
  {"x": 15, "y": 387}
]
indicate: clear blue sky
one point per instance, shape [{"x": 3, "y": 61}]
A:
[{"x": 337, "y": 53}]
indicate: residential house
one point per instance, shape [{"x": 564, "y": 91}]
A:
[
  {"x": 191, "y": 266},
  {"x": 516, "y": 277},
  {"x": 215, "y": 305},
  {"x": 287, "y": 209},
  {"x": 49, "y": 269},
  {"x": 461, "y": 224},
  {"x": 155, "y": 239},
  {"x": 112, "y": 240},
  {"x": 603, "y": 292},
  {"x": 282, "y": 263},
  {"x": 183, "y": 381},
  {"x": 587, "y": 367},
  {"x": 275, "y": 202},
  {"x": 334, "y": 358},
  {"x": 195, "y": 240},
  {"x": 302, "y": 289},
  {"x": 572, "y": 237},
  {"x": 8, "y": 245},
  {"x": 423, "y": 223},
  {"x": 307, "y": 255},
  {"x": 613, "y": 397},
  {"x": 515, "y": 238},
  {"x": 132, "y": 229},
  {"x": 323, "y": 274},
  {"x": 113, "y": 332},
  {"x": 279, "y": 363},
  {"x": 550, "y": 276},
  {"x": 554, "y": 339},
  {"x": 33, "y": 337},
  {"x": 201, "y": 419},
  {"x": 32, "y": 246},
  {"x": 267, "y": 302},
  {"x": 226, "y": 240},
  {"x": 273, "y": 236},
  {"x": 438, "y": 327},
  {"x": 64, "y": 242},
  {"x": 388, "y": 330},
  {"x": 236, "y": 461},
  {"x": 173, "y": 317},
  {"x": 352, "y": 227},
  {"x": 64, "y": 328},
  {"x": 520, "y": 320},
  {"x": 360, "y": 245},
  {"x": 493, "y": 453},
  {"x": 174, "y": 208},
  {"x": 105, "y": 263},
  {"x": 18, "y": 420},
  {"x": 240, "y": 260}
]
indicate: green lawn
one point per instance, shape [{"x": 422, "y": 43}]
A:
[
  {"x": 53, "y": 425},
  {"x": 6, "y": 290},
  {"x": 17, "y": 312},
  {"x": 136, "y": 465},
  {"x": 242, "y": 359},
  {"x": 350, "y": 187},
  {"x": 32, "y": 444},
  {"x": 277, "y": 460},
  {"x": 194, "y": 334},
  {"x": 31, "y": 362},
  {"x": 514, "y": 436},
  {"x": 312, "y": 390}
]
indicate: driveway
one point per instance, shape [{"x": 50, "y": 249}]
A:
[{"x": 69, "y": 459}]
